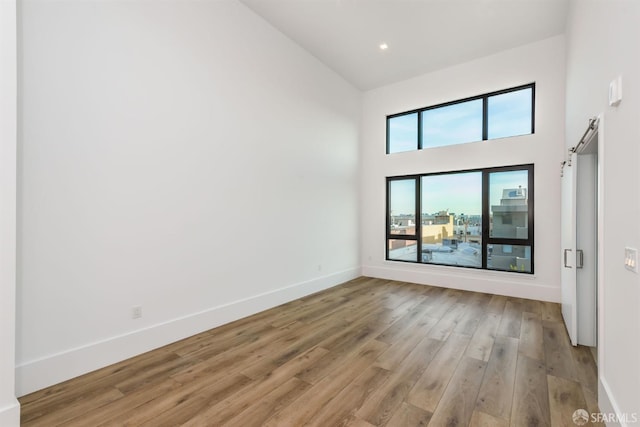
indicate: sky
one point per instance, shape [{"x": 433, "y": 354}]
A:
[
  {"x": 454, "y": 124},
  {"x": 457, "y": 192},
  {"x": 508, "y": 114}
]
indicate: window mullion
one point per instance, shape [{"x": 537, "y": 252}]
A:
[
  {"x": 419, "y": 218},
  {"x": 485, "y": 118},
  {"x": 485, "y": 217},
  {"x": 420, "y": 130}
]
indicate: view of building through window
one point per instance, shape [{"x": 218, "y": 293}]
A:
[
  {"x": 452, "y": 219},
  {"x": 450, "y": 228},
  {"x": 508, "y": 196}
]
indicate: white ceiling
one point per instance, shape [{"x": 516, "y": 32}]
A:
[{"x": 423, "y": 35}]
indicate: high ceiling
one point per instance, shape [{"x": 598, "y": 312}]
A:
[{"x": 422, "y": 35}]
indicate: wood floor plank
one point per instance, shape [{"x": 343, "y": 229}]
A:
[
  {"x": 428, "y": 390},
  {"x": 551, "y": 312},
  {"x": 496, "y": 391},
  {"x": 511, "y": 319},
  {"x": 224, "y": 410},
  {"x": 359, "y": 332},
  {"x": 585, "y": 367},
  {"x": 354, "y": 421},
  {"x": 222, "y": 340},
  {"x": 459, "y": 400},
  {"x": 211, "y": 363},
  {"x": 330, "y": 307},
  {"x": 335, "y": 360},
  {"x": 565, "y": 397},
  {"x": 448, "y": 322},
  {"x": 370, "y": 352},
  {"x": 404, "y": 302},
  {"x": 152, "y": 374},
  {"x": 557, "y": 351},
  {"x": 482, "y": 340},
  {"x": 382, "y": 403},
  {"x": 272, "y": 403},
  {"x": 63, "y": 415},
  {"x": 587, "y": 374},
  {"x": 531, "y": 336},
  {"x": 441, "y": 301},
  {"x": 314, "y": 305},
  {"x": 477, "y": 299},
  {"x": 398, "y": 329},
  {"x": 530, "y": 397},
  {"x": 309, "y": 337},
  {"x": 470, "y": 320},
  {"x": 294, "y": 307},
  {"x": 530, "y": 305},
  {"x": 346, "y": 403},
  {"x": 182, "y": 402},
  {"x": 326, "y": 389},
  {"x": 533, "y": 306},
  {"x": 105, "y": 414},
  {"x": 480, "y": 419},
  {"x": 84, "y": 387},
  {"x": 497, "y": 304},
  {"x": 409, "y": 415},
  {"x": 395, "y": 354}
]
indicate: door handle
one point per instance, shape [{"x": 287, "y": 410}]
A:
[
  {"x": 580, "y": 260},
  {"x": 565, "y": 258}
]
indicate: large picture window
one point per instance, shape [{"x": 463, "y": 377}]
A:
[
  {"x": 500, "y": 114},
  {"x": 479, "y": 218}
]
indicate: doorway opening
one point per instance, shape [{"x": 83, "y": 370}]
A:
[
  {"x": 581, "y": 223},
  {"x": 587, "y": 199}
]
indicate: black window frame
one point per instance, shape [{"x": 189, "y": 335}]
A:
[
  {"x": 485, "y": 114},
  {"x": 487, "y": 239}
]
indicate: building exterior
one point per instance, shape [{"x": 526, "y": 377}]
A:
[{"x": 510, "y": 219}]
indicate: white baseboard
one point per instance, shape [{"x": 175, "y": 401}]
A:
[
  {"x": 605, "y": 403},
  {"x": 10, "y": 415},
  {"x": 492, "y": 282},
  {"x": 609, "y": 406},
  {"x": 53, "y": 369}
]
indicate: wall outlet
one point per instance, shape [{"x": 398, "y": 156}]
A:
[{"x": 136, "y": 312}]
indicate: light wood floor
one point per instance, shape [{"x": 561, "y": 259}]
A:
[{"x": 370, "y": 352}]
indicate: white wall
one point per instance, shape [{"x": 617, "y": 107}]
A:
[
  {"x": 542, "y": 63},
  {"x": 602, "y": 43},
  {"x": 9, "y": 407},
  {"x": 183, "y": 156}
]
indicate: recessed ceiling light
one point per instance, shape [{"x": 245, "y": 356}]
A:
[{"x": 384, "y": 46}]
